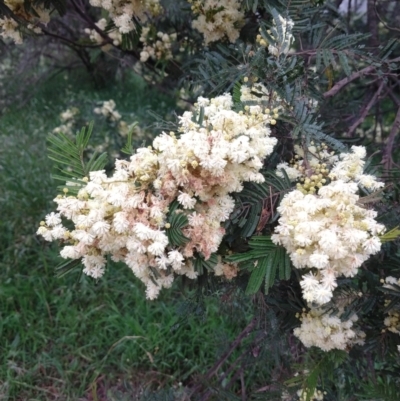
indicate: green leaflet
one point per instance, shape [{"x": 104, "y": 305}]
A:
[
  {"x": 236, "y": 92},
  {"x": 257, "y": 276},
  {"x": 344, "y": 62}
]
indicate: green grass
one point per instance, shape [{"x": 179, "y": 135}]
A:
[{"x": 61, "y": 337}]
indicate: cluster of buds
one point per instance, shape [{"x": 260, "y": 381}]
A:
[
  {"x": 261, "y": 41},
  {"x": 312, "y": 177},
  {"x": 259, "y": 94},
  {"x": 315, "y": 166}
]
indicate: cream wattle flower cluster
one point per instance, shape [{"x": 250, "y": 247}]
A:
[
  {"x": 327, "y": 331},
  {"x": 217, "y": 19},
  {"x": 108, "y": 110},
  {"x": 9, "y": 27},
  {"x": 123, "y": 12},
  {"x": 156, "y": 47},
  {"x": 329, "y": 232},
  {"x": 113, "y": 34},
  {"x": 126, "y": 215}
]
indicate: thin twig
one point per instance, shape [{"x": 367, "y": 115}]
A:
[
  {"x": 243, "y": 386},
  {"x": 357, "y": 74},
  {"x": 387, "y": 153},
  {"x": 391, "y": 28},
  {"x": 342, "y": 83},
  {"x": 70, "y": 42},
  {"x": 366, "y": 109},
  {"x": 248, "y": 329}
]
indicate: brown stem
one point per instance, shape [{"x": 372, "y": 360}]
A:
[{"x": 68, "y": 41}]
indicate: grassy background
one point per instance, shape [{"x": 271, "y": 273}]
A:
[{"x": 72, "y": 338}]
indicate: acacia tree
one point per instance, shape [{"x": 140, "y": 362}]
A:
[{"x": 264, "y": 185}]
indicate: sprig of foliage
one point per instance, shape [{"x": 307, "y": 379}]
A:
[{"x": 70, "y": 157}]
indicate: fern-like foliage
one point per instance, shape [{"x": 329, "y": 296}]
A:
[
  {"x": 218, "y": 69},
  {"x": 201, "y": 264},
  {"x": 70, "y": 158},
  {"x": 177, "y": 220},
  {"x": 306, "y": 125},
  {"x": 265, "y": 261}
]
